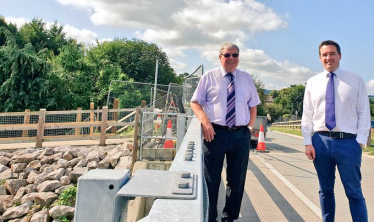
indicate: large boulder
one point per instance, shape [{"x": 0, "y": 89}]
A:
[
  {"x": 49, "y": 185},
  {"x": 17, "y": 212},
  {"x": 13, "y": 185},
  {"x": 61, "y": 210}
]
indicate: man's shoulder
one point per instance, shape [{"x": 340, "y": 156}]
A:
[
  {"x": 241, "y": 71},
  {"x": 212, "y": 72},
  {"x": 317, "y": 77},
  {"x": 350, "y": 74}
]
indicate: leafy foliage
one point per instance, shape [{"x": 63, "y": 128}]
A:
[
  {"x": 41, "y": 68},
  {"x": 22, "y": 76},
  {"x": 290, "y": 99},
  {"x": 63, "y": 219},
  {"x": 68, "y": 196}
]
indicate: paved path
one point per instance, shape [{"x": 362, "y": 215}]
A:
[{"x": 282, "y": 185}]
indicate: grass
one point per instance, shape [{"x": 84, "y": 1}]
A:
[
  {"x": 368, "y": 150},
  {"x": 296, "y": 132}
]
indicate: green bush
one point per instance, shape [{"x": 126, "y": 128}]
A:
[{"x": 68, "y": 196}]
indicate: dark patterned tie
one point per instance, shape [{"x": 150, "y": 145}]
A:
[
  {"x": 230, "y": 114},
  {"x": 330, "y": 104}
]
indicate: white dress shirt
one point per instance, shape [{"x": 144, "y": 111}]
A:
[
  {"x": 211, "y": 94},
  {"x": 352, "y": 111}
]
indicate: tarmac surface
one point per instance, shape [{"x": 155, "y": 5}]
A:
[{"x": 282, "y": 185}]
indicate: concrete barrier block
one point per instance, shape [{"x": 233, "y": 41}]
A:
[{"x": 96, "y": 195}]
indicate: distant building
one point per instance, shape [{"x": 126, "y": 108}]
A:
[{"x": 269, "y": 100}]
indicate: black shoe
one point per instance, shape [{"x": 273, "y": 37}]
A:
[{"x": 227, "y": 220}]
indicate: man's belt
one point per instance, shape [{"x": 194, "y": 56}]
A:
[
  {"x": 336, "y": 135},
  {"x": 232, "y": 129}
]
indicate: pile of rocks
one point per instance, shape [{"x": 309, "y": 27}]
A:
[{"x": 31, "y": 180}]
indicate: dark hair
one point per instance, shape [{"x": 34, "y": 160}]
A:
[{"x": 329, "y": 42}]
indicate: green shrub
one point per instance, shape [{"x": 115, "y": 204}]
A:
[
  {"x": 63, "y": 219},
  {"x": 68, "y": 196}
]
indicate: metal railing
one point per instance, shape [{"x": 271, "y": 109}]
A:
[
  {"x": 290, "y": 124},
  {"x": 185, "y": 210},
  {"x": 113, "y": 188}
]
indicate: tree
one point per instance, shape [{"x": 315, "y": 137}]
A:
[
  {"x": 70, "y": 82},
  {"x": 371, "y": 100},
  {"x": 128, "y": 60},
  {"x": 290, "y": 98},
  {"x": 261, "y": 93},
  {"x": 22, "y": 76},
  {"x": 136, "y": 58},
  {"x": 275, "y": 111}
]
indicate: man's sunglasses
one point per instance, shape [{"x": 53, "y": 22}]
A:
[{"x": 227, "y": 55}]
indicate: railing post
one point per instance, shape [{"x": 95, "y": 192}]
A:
[
  {"x": 368, "y": 144},
  {"x": 181, "y": 129},
  {"x": 104, "y": 118},
  {"x": 40, "y": 131},
  {"x": 26, "y": 120},
  {"x": 78, "y": 120},
  {"x": 115, "y": 115},
  {"x": 143, "y": 104},
  {"x": 135, "y": 142},
  {"x": 92, "y": 106}
]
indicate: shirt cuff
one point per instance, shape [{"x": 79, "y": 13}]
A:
[
  {"x": 361, "y": 139},
  {"x": 307, "y": 140}
]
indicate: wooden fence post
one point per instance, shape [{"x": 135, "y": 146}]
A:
[
  {"x": 143, "y": 104},
  {"x": 92, "y": 119},
  {"x": 78, "y": 120},
  {"x": 135, "y": 142},
  {"x": 368, "y": 144},
  {"x": 40, "y": 131},
  {"x": 26, "y": 120},
  {"x": 115, "y": 115},
  {"x": 104, "y": 117}
]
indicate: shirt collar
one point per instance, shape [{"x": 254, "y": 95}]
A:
[
  {"x": 224, "y": 72},
  {"x": 336, "y": 72}
]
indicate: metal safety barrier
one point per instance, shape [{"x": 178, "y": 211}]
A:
[{"x": 180, "y": 193}]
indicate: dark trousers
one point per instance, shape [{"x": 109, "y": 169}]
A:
[
  {"x": 235, "y": 146},
  {"x": 346, "y": 155}
]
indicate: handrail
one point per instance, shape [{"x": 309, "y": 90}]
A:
[{"x": 185, "y": 210}]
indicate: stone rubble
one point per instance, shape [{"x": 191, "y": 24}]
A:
[{"x": 31, "y": 180}]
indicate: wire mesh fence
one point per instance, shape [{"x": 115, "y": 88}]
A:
[
  {"x": 130, "y": 93},
  {"x": 190, "y": 84}
]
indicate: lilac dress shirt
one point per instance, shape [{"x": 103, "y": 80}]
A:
[{"x": 211, "y": 94}]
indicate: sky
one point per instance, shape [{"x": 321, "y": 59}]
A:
[{"x": 278, "y": 39}]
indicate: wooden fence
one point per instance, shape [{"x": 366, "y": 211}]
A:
[{"x": 40, "y": 126}]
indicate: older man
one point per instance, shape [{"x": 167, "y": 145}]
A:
[{"x": 225, "y": 102}]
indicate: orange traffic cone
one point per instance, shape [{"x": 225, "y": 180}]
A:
[
  {"x": 158, "y": 121},
  {"x": 169, "y": 142},
  {"x": 261, "y": 141}
]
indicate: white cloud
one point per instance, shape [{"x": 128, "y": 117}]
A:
[
  {"x": 84, "y": 36},
  {"x": 370, "y": 87},
  {"x": 17, "y": 21}
]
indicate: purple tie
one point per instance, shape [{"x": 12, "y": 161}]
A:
[
  {"x": 230, "y": 114},
  {"x": 330, "y": 104}
]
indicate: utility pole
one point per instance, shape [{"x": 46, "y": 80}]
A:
[{"x": 155, "y": 87}]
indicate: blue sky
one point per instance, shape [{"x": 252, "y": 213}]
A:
[{"x": 278, "y": 39}]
